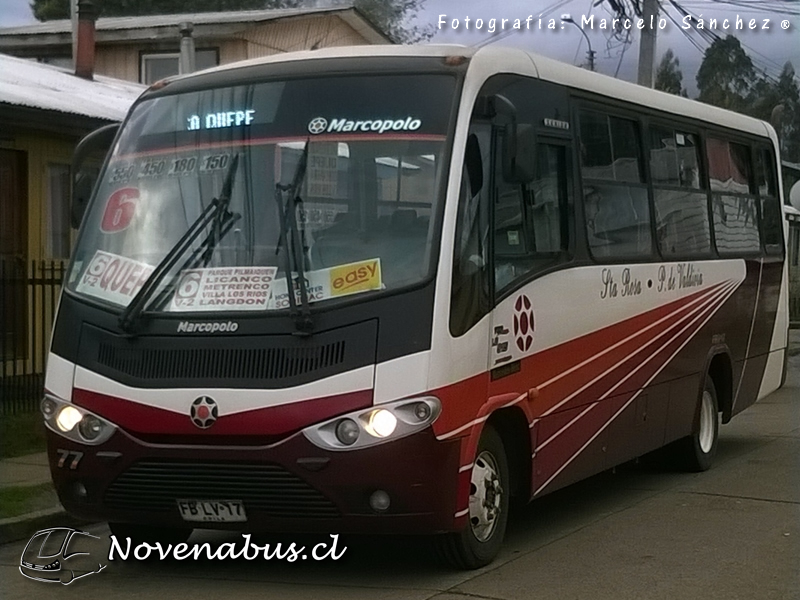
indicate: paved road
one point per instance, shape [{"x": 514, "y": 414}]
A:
[{"x": 638, "y": 533}]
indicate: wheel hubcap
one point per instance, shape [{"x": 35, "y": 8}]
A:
[
  {"x": 485, "y": 496},
  {"x": 707, "y": 419}
]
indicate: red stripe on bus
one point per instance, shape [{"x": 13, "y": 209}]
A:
[{"x": 273, "y": 420}]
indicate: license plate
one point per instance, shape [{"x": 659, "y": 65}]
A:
[{"x": 212, "y": 511}]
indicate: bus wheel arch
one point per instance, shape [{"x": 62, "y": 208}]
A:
[
  {"x": 720, "y": 370},
  {"x": 512, "y": 426},
  {"x": 477, "y": 544},
  {"x": 696, "y": 451}
]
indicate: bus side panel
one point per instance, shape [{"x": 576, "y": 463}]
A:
[
  {"x": 623, "y": 330},
  {"x": 753, "y": 381}
]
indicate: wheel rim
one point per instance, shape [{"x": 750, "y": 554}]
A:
[
  {"x": 707, "y": 422},
  {"x": 485, "y": 496}
]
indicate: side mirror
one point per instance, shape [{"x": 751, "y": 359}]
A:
[
  {"x": 518, "y": 149},
  {"x": 519, "y": 160},
  {"x": 92, "y": 148},
  {"x": 474, "y": 164}
]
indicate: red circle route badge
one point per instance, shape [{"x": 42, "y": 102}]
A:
[{"x": 523, "y": 323}]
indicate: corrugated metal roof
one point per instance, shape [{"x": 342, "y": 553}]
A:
[
  {"x": 36, "y": 85},
  {"x": 143, "y": 22}
]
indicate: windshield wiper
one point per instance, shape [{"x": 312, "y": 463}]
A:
[
  {"x": 221, "y": 220},
  {"x": 294, "y": 255}
]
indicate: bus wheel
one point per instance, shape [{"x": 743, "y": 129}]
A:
[
  {"x": 149, "y": 533},
  {"x": 696, "y": 452},
  {"x": 480, "y": 541}
]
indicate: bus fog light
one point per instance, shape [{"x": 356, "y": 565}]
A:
[
  {"x": 422, "y": 411},
  {"x": 347, "y": 432},
  {"x": 78, "y": 491},
  {"x": 48, "y": 407},
  {"x": 379, "y": 501},
  {"x": 91, "y": 427},
  {"x": 381, "y": 424},
  {"x": 68, "y": 417}
]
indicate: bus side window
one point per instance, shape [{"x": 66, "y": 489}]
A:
[
  {"x": 733, "y": 202},
  {"x": 681, "y": 202},
  {"x": 615, "y": 196},
  {"x": 530, "y": 230},
  {"x": 469, "y": 299},
  {"x": 771, "y": 212}
]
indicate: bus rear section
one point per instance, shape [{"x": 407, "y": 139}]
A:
[{"x": 383, "y": 293}]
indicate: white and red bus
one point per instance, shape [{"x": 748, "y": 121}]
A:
[{"x": 387, "y": 289}]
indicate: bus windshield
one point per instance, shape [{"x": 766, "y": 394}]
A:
[{"x": 361, "y": 210}]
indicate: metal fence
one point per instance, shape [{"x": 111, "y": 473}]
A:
[{"x": 28, "y": 299}]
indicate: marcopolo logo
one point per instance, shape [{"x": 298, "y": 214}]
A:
[
  {"x": 319, "y": 125},
  {"x": 207, "y": 327}
]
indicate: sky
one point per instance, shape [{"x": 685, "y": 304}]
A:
[{"x": 768, "y": 49}]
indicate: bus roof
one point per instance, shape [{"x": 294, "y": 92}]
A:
[{"x": 518, "y": 61}]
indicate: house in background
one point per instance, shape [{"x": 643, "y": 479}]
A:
[
  {"x": 44, "y": 112},
  {"x": 146, "y": 49}
]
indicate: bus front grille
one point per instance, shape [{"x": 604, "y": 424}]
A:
[
  {"x": 151, "y": 485},
  {"x": 221, "y": 363}
]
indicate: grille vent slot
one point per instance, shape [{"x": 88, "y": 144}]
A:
[
  {"x": 221, "y": 363},
  {"x": 151, "y": 485}
]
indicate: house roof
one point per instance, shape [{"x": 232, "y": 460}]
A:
[
  {"x": 207, "y": 24},
  {"x": 28, "y": 84}
]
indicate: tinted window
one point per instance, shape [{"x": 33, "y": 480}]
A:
[
  {"x": 674, "y": 158},
  {"x": 609, "y": 148}
]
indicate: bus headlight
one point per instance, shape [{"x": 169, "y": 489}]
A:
[
  {"x": 380, "y": 424},
  {"x": 347, "y": 432},
  {"x": 75, "y": 423},
  {"x": 67, "y": 418},
  {"x": 91, "y": 428}
]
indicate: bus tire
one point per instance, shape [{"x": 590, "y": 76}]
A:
[
  {"x": 149, "y": 534},
  {"x": 696, "y": 452},
  {"x": 480, "y": 541}
]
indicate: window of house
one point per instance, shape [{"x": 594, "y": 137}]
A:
[
  {"x": 157, "y": 66},
  {"x": 64, "y": 62},
  {"x": 615, "y": 197},
  {"x": 57, "y": 234}
]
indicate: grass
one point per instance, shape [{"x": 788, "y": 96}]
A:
[
  {"x": 17, "y": 501},
  {"x": 21, "y": 434}
]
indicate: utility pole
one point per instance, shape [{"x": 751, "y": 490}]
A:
[
  {"x": 647, "y": 43},
  {"x": 590, "y": 54}
]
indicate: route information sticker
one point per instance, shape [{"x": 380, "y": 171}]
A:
[
  {"x": 113, "y": 278},
  {"x": 224, "y": 289},
  {"x": 342, "y": 280}
]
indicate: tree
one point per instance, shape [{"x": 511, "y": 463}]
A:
[
  {"x": 391, "y": 16},
  {"x": 669, "y": 77},
  {"x": 779, "y": 103},
  {"x": 726, "y": 76}
]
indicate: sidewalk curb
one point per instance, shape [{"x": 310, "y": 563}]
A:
[{"x": 24, "y": 526}]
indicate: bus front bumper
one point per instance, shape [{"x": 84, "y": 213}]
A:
[{"x": 291, "y": 486}]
